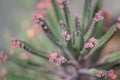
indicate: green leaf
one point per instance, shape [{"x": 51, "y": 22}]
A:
[
  {"x": 57, "y": 10},
  {"x": 102, "y": 41},
  {"x": 89, "y": 32},
  {"x": 19, "y": 77},
  {"x": 112, "y": 57},
  {"x": 85, "y": 15},
  {"x": 67, "y": 17},
  {"x": 99, "y": 29},
  {"x": 55, "y": 26},
  {"x": 106, "y": 37}
]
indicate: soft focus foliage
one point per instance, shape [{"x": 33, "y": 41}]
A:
[{"x": 57, "y": 45}]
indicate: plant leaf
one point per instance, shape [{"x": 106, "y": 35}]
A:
[
  {"x": 57, "y": 10},
  {"x": 102, "y": 41}
]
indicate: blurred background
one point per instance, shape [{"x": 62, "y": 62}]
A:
[{"x": 15, "y": 13}]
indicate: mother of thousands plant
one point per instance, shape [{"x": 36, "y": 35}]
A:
[{"x": 78, "y": 42}]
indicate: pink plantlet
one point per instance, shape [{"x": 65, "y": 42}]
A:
[
  {"x": 77, "y": 33},
  {"x": 41, "y": 23},
  {"x": 93, "y": 40},
  {"x": 76, "y": 15},
  {"x": 63, "y": 59},
  {"x": 15, "y": 43},
  {"x": 111, "y": 71},
  {"x": 53, "y": 57},
  {"x": 60, "y": 60},
  {"x": 68, "y": 37},
  {"x": 11, "y": 53},
  {"x": 89, "y": 45},
  {"x": 64, "y": 33},
  {"x": 62, "y": 3},
  {"x": 4, "y": 71},
  {"x": 41, "y": 5},
  {"x": 100, "y": 74},
  {"x": 36, "y": 17},
  {"x": 3, "y": 57},
  {"x": 111, "y": 74},
  {"x": 98, "y": 16},
  {"x": 118, "y": 19},
  {"x": 31, "y": 33},
  {"x": 118, "y": 25}
]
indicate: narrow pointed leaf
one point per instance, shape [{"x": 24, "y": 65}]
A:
[
  {"x": 102, "y": 41},
  {"x": 57, "y": 10}
]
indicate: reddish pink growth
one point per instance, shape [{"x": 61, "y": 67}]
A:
[
  {"x": 118, "y": 25},
  {"x": 3, "y": 57},
  {"x": 76, "y": 15},
  {"x": 112, "y": 75},
  {"x": 68, "y": 37},
  {"x": 111, "y": 71},
  {"x": 53, "y": 57},
  {"x": 4, "y": 71},
  {"x": 98, "y": 16},
  {"x": 100, "y": 74},
  {"x": 15, "y": 43},
  {"x": 89, "y": 45},
  {"x": 93, "y": 40},
  {"x": 37, "y": 16},
  {"x": 60, "y": 2},
  {"x": 63, "y": 59},
  {"x": 118, "y": 19},
  {"x": 41, "y": 5},
  {"x": 64, "y": 33},
  {"x": 12, "y": 53},
  {"x": 31, "y": 33},
  {"x": 60, "y": 60}
]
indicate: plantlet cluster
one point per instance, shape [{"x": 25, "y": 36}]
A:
[{"x": 78, "y": 43}]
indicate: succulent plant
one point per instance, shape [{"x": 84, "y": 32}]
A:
[{"x": 65, "y": 47}]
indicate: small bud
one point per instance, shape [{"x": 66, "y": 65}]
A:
[
  {"x": 98, "y": 16},
  {"x": 15, "y": 43},
  {"x": 89, "y": 45},
  {"x": 3, "y": 57},
  {"x": 53, "y": 57},
  {"x": 100, "y": 74},
  {"x": 93, "y": 40},
  {"x": 4, "y": 71},
  {"x": 111, "y": 74},
  {"x": 68, "y": 37}
]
